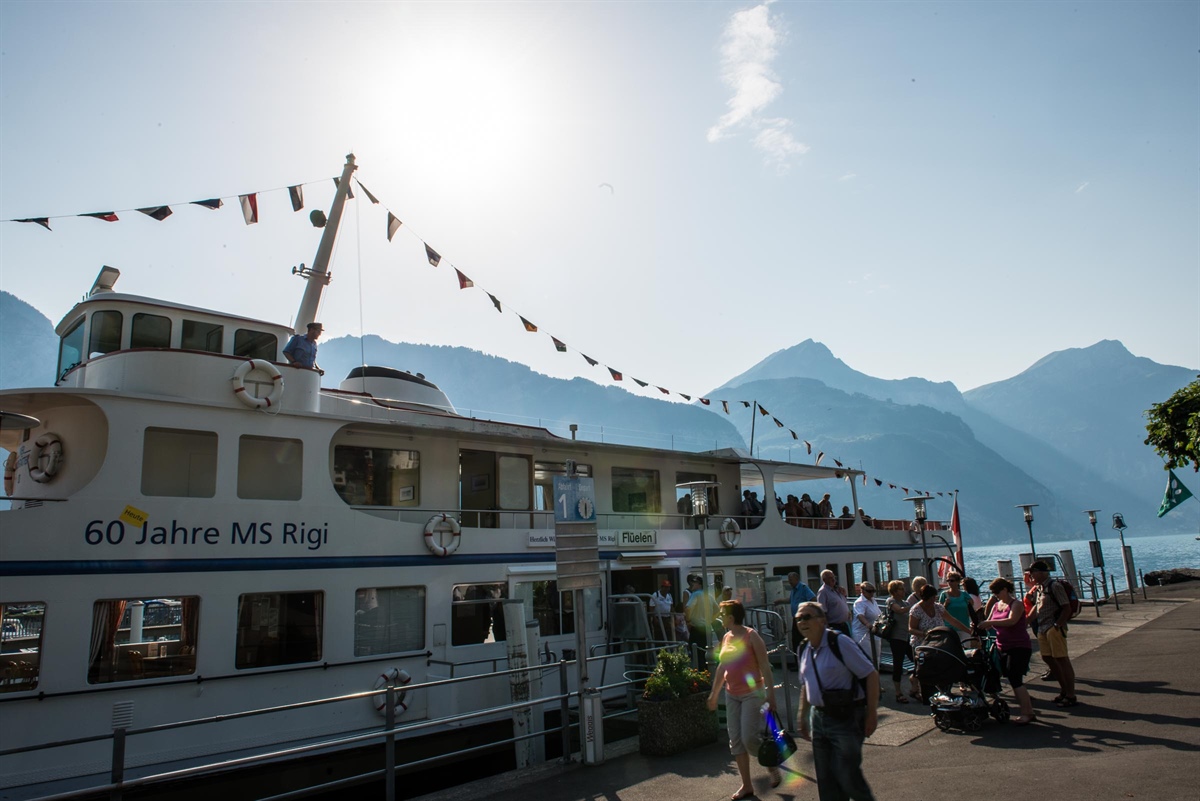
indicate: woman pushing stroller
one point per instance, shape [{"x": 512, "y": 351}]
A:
[{"x": 1007, "y": 617}]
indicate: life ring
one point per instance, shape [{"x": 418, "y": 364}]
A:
[
  {"x": 397, "y": 678},
  {"x": 239, "y": 383},
  {"x": 10, "y": 472},
  {"x": 439, "y": 524},
  {"x": 45, "y": 459},
  {"x": 730, "y": 533}
]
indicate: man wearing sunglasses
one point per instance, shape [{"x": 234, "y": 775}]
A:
[{"x": 839, "y": 702}]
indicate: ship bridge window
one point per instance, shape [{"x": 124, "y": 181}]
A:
[
  {"x": 198, "y": 335},
  {"x": 269, "y": 469},
  {"x": 20, "y": 646},
  {"x": 70, "y": 348},
  {"x": 490, "y": 482},
  {"x": 635, "y": 490},
  {"x": 106, "y": 333},
  {"x": 179, "y": 464},
  {"x": 477, "y": 616},
  {"x": 279, "y": 628},
  {"x": 377, "y": 476},
  {"x": 143, "y": 638},
  {"x": 150, "y": 331},
  {"x": 554, "y": 610},
  {"x": 389, "y": 620},
  {"x": 255, "y": 344},
  {"x": 543, "y": 481}
]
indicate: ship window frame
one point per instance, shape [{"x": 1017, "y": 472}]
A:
[
  {"x": 141, "y": 318},
  {"x": 158, "y": 468},
  {"x": 467, "y": 613},
  {"x": 404, "y": 636},
  {"x": 189, "y": 336},
  {"x": 270, "y": 468},
  {"x": 20, "y": 665},
  {"x": 100, "y": 334},
  {"x": 73, "y": 339},
  {"x": 275, "y": 617},
  {"x": 112, "y": 661},
  {"x": 406, "y": 493},
  {"x": 622, "y": 499},
  {"x": 257, "y": 348}
]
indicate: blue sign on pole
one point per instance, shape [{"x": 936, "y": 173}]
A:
[{"x": 574, "y": 499}]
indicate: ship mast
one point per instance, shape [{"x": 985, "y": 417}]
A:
[{"x": 318, "y": 276}]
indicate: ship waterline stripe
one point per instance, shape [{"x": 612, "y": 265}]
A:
[{"x": 140, "y": 566}]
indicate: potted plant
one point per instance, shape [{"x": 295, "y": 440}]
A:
[{"x": 672, "y": 713}]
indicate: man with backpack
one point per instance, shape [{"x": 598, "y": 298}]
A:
[
  {"x": 1052, "y": 611},
  {"x": 839, "y": 704}
]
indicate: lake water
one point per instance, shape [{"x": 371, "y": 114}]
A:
[{"x": 1149, "y": 553}]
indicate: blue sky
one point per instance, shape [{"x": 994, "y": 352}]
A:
[{"x": 949, "y": 190}]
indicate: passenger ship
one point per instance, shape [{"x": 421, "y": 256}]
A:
[{"x": 198, "y": 528}]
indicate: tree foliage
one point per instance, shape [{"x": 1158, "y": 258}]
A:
[{"x": 1174, "y": 427}]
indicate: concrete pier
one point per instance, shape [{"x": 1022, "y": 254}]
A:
[{"x": 1135, "y": 734}]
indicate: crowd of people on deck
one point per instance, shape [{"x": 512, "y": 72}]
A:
[
  {"x": 793, "y": 510},
  {"x": 837, "y": 655}
]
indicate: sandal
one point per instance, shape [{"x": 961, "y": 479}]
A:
[
  {"x": 1019, "y": 721},
  {"x": 1066, "y": 702},
  {"x": 901, "y": 699}
]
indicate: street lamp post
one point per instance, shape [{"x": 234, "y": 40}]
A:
[
  {"x": 699, "y": 491},
  {"x": 918, "y": 502},
  {"x": 1098, "y": 559},
  {"x": 1028, "y": 507}
]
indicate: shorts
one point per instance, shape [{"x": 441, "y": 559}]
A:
[
  {"x": 1052, "y": 643},
  {"x": 744, "y": 721}
]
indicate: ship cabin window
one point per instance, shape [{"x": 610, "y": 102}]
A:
[
  {"x": 279, "y": 628},
  {"x": 883, "y": 575},
  {"x": 543, "y": 482},
  {"x": 856, "y": 573},
  {"x": 70, "y": 348},
  {"x": 683, "y": 497},
  {"x": 377, "y": 476},
  {"x": 555, "y": 610},
  {"x": 389, "y": 620},
  {"x": 150, "y": 331},
  {"x": 202, "y": 336},
  {"x": 20, "y": 646},
  {"x": 477, "y": 616},
  {"x": 179, "y": 464},
  {"x": 636, "y": 490},
  {"x": 751, "y": 589},
  {"x": 255, "y": 345},
  {"x": 492, "y": 482},
  {"x": 106, "y": 333},
  {"x": 269, "y": 468},
  {"x": 143, "y": 638}
]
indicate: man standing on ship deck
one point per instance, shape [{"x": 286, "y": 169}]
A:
[{"x": 301, "y": 351}]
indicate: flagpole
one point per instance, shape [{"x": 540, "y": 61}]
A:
[{"x": 753, "y": 420}]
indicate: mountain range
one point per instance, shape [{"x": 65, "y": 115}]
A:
[{"x": 1067, "y": 433}]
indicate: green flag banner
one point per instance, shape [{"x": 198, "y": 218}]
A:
[{"x": 1175, "y": 495}]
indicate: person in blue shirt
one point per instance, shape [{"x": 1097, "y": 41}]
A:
[
  {"x": 301, "y": 351},
  {"x": 800, "y": 594}
]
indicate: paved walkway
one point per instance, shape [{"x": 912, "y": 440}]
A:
[{"x": 1135, "y": 735}]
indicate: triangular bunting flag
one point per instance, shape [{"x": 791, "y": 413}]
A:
[
  {"x": 589, "y": 359},
  {"x": 864, "y": 479},
  {"x": 777, "y": 423},
  {"x": 706, "y": 401},
  {"x": 616, "y": 375},
  {"x": 835, "y": 461},
  {"x": 685, "y": 397},
  {"x": 211, "y": 203},
  {"x": 349, "y": 189},
  {"x": 878, "y": 483},
  {"x": 496, "y": 303},
  {"x": 107, "y": 216},
  {"x": 559, "y": 345},
  {"x": 808, "y": 445},
  {"x": 296, "y": 195},
  {"x": 433, "y": 256},
  {"x": 793, "y": 433},
  {"x": 820, "y": 456},
  {"x": 530, "y": 327},
  {"x": 745, "y": 404},
  {"x": 664, "y": 391},
  {"x": 42, "y": 221},
  {"x": 905, "y": 490},
  {"x": 939, "y": 494},
  {"x": 249, "y": 208},
  {"x": 370, "y": 197},
  {"x": 639, "y": 382},
  {"x": 763, "y": 411},
  {"x": 159, "y": 213},
  {"x": 725, "y": 406},
  {"x": 892, "y": 486},
  {"x": 463, "y": 281},
  {"x": 393, "y": 225}
]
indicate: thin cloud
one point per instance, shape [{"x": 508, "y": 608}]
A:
[
  {"x": 749, "y": 45},
  {"x": 1082, "y": 187},
  {"x": 850, "y": 176}
]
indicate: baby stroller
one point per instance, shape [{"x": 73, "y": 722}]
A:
[{"x": 965, "y": 681}]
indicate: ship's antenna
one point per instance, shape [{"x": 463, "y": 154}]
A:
[{"x": 318, "y": 276}]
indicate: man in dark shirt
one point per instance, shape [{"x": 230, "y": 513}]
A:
[{"x": 301, "y": 351}]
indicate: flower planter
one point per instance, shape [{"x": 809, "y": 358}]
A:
[{"x": 677, "y": 725}]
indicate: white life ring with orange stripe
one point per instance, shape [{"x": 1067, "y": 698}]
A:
[
  {"x": 45, "y": 459},
  {"x": 438, "y": 525},
  {"x": 396, "y": 677},
  {"x": 10, "y": 472},
  {"x": 730, "y": 533},
  {"x": 239, "y": 383}
]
